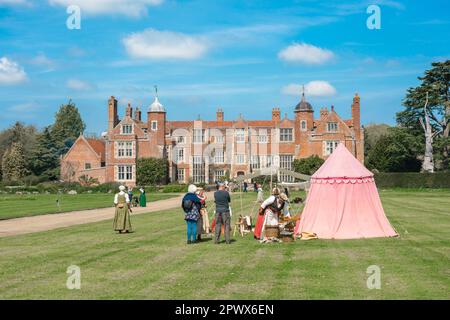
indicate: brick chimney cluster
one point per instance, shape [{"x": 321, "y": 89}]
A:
[
  {"x": 276, "y": 114},
  {"x": 219, "y": 115}
]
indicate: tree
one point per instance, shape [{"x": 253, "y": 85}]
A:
[
  {"x": 20, "y": 133},
  {"x": 435, "y": 82},
  {"x": 13, "y": 163},
  {"x": 395, "y": 152},
  {"x": 308, "y": 165},
  {"x": 45, "y": 159},
  {"x": 67, "y": 127},
  {"x": 372, "y": 133},
  {"x": 150, "y": 171}
]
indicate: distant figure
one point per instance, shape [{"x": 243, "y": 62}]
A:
[
  {"x": 260, "y": 197},
  {"x": 130, "y": 194},
  {"x": 286, "y": 191},
  {"x": 203, "y": 223},
  {"x": 142, "y": 198},
  {"x": 245, "y": 186},
  {"x": 222, "y": 200},
  {"x": 255, "y": 186},
  {"x": 122, "y": 222},
  {"x": 191, "y": 206}
]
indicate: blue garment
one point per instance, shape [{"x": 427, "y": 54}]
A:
[
  {"x": 194, "y": 213},
  {"x": 191, "y": 230}
]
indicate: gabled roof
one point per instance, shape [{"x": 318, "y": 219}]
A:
[
  {"x": 98, "y": 146},
  {"x": 342, "y": 164}
]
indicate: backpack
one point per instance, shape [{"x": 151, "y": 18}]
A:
[{"x": 187, "y": 205}]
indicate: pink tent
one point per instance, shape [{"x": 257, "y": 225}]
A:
[{"x": 343, "y": 201}]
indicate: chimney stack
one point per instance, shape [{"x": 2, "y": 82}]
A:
[
  {"x": 138, "y": 114},
  {"x": 113, "y": 118},
  {"x": 219, "y": 115},
  {"x": 276, "y": 114},
  {"x": 129, "y": 111}
]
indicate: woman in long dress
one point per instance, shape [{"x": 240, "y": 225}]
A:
[
  {"x": 122, "y": 222},
  {"x": 142, "y": 198},
  {"x": 268, "y": 214}
]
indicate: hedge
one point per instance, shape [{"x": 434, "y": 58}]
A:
[{"x": 412, "y": 180}]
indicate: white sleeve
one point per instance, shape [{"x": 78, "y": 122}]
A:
[
  {"x": 116, "y": 201},
  {"x": 127, "y": 198},
  {"x": 268, "y": 201}
]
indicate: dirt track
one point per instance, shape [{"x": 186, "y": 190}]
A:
[{"x": 25, "y": 225}]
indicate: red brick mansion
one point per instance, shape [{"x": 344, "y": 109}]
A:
[{"x": 208, "y": 150}]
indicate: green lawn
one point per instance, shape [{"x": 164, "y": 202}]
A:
[
  {"x": 15, "y": 206},
  {"x": 155, "y": 263}
]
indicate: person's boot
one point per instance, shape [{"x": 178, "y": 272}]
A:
[{"x": 199, "y": 238}]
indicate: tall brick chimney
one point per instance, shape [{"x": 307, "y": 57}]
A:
[
  {"x": 129, "y": 111},
  {"x": 356, "y": 115},
  {"x": 219, "y": 115},
  {"x": 113, "y": 118},
  {"x": 138, "y": 114},
  {"x": 276, "y": 114}
]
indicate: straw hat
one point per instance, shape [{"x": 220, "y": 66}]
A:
[
  {"x": 275, "y": 191},
  {"x": 284, "y": 197}
]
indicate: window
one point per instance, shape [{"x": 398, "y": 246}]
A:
[
  {"x": 219, "y": 139},
  {"x": 218, "y": 156},
  {"x": 286, "y": 134},
  {"x": 180, "y": 175},
  {"x": 127, "y": 129},
  {"x": 329, "y": 147},
  {"x": 262, "y": 138},
  {"x": 199, "y": 135},
  {"x": 198, "y": 170},
  {"x": 125, "y": 172},
  {"x": 219, "y": 175},
  {"x": 87, "y": 166},
  {"x": 255, "y": 162},
  {"x": 240, "y": 135},
  {"x": 332, "y": 126},
  {"x": 154, "y": 125},
  {"x": 269, "y": 161},
  {"x": 286, "y": 163},
  {"x": 180, "y": 155},
  {"x": 303, "y": 125},
  {"x": 125, "y": 149},
  {"x": 240, "y": 158}
]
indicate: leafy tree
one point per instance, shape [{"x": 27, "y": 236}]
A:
[
  {"x": 372, "y": 133},
  {"x": 13, "y": 163},
  {"x": 395, "y": 151},
  {"x": 67, "y": 127},
  {"x": 18, "y": 132},
  {"x": 435, "y": 82},
  {"x": 45, "y": 160},
  {"x": 308, "y": 165},
  {"x": 150, "y": 171}
]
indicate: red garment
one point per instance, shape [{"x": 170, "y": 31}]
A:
[
  {"x": 258, "y": 226},
  {"x": 213, "y": 226}
]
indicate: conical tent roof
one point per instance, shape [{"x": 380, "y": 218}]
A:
[{"x": 342, "y": 164}]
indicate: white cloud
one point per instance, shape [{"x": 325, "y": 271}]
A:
[
  {"x": 317, "y": 88},
  {"x": 154, "y": 44},
  {"x": 80, "y": 85},
  {"x": 306, "y": 54},
  {"x": 131, "y": 8},
  {"x": 42, "y": 60},
  {"x": 11, "y": 72}
]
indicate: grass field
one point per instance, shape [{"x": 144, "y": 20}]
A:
[
  {"x": 155, "y": 263},
  {"x": 15, "y": 206}
]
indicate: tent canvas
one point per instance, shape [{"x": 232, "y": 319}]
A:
[{"x": 343, "y": 201}]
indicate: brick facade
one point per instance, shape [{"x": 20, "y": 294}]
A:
[{"x": 205, "y": 151}]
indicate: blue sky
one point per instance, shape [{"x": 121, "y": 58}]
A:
[{"x": 244, "y": 56}]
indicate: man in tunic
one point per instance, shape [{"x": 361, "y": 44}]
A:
[
  {"x": 268, "y": 213},
  {"x": 122, "y": 222}
]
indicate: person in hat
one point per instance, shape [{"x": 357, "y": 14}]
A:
[
  {"x": 122, "y": 222},
  {"x": 191, "y": 206},
  {"x": 268, "y": 214},
  {"x": 286, "y": 206},
  {"x": 142, "y": 198}
]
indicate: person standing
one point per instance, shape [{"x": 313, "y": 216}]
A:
[
  {"x": 245, "y": 186},
  {"x": 260, "y": 197},
  {"x": 255, "y": 186},
  {"x": 222, "y": 200},
  {"x": 203, "y": 223},
  {"x": 269, "y": 213},
  {"x": 191, "y": 206},
  {"x": 122, "y": 222},
  {"x": 130, "y": 195},
  {"x": 142, "y": 198}
]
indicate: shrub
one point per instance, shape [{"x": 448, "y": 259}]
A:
[
  {"x": 308, "y": 165},
  {"x": 175, "y": 188},
  {"x": 412, "y": 180},
  {"x": 151, "y": 171}
]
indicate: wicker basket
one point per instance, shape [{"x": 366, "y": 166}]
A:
[
  {"x": 286, "y": 236},
  {"x": 272, "y": 231}
]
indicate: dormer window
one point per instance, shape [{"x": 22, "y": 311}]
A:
[
  {"x": 332, "y": 126},
  {"x": 127, "y": 129},
  {"x": 154, "y": 125}
]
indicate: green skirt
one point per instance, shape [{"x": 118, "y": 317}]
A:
[
  {"x": 122, "y": 220},
  {"x": 142, "y": 200}
]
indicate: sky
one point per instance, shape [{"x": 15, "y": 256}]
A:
[{"x": 244, "y": 56}]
